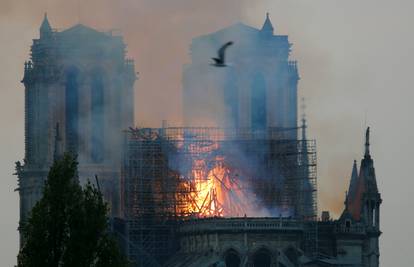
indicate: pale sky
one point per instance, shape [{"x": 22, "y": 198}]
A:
[{"x": 354, "y": 60}]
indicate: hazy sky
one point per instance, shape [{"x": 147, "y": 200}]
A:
[{"x": 355, "y": 59}]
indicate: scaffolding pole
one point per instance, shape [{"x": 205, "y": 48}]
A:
[{"x": 166, "y": 172}]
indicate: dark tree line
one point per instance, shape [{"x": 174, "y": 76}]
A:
[{"x": 69, "y": 225}]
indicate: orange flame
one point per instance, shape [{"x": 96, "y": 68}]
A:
[{"x": 215, "y": 191}]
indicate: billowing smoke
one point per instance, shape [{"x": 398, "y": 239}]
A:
[
  {"x": 158, "y": 34},
  {"x": 232, "y": 175},
  {"x": 339, "y": 76},
  {"x": 257, "y": 90},
  {"x": 256, "y": 93}
]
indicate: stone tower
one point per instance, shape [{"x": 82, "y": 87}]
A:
[
  {"x": 258, "y": 88},
  {"x": 370, "y": 208},
  {"x": 78, "y": 98},
  {"x": 363, "y": 205}
]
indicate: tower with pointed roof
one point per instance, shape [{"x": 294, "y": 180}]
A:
[
  {"x": 363, "y": 190},
  {"x": 79, "y": 97},
  {"x": 267, "y": 28},
  {"x": 308, "y": 188},
  {"x": 353, "y": 182},
  {"x": 362, "y": 207},
  {"x": 257, "y": 90},
  {"x": 370, "y": 201},
  {"x": 45, "y": 28}
]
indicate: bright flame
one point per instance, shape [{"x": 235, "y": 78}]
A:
[{"x": 215, "y": 190}]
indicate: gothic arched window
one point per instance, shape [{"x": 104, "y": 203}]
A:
[
  {"x": 262, "y": 258},
  {"x": 232, "y": 258},
  {"x": 72, "y": 109},
  {"x": 97, "y": 117},
  {"x": 258, "y": 103}
]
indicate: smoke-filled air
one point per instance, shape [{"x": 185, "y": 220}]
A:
[{"x": 349, "y": 60}]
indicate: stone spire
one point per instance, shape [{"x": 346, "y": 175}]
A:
[
  {"x": 305, "y": 146},
  {"x": 45, "y": 28},
  {"x": 367, "y": 172},
  {"x": 354, "y": 181},
  {"x": 304, "y": 126},
  {"x": 303, "y": 107},
  {"x": 367, "y": 153},
  {"x": 370, "y": 202},
  {"x": 363, "y": 187},
  {"x": 267, "y": 26}
]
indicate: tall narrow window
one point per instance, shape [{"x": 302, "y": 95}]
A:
[
  {"x": 72, "y": 110},
  {"x": 231, "y": 100},
  {"x": 97, "y": 117},
  {"x": 374, "y": 217},
  {"x": 258, "y": 103}
]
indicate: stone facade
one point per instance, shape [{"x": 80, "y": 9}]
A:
[
  {"x": 79, "y": 97},
  {"x": 239, "y": 242},
  {"x": 257, "y": 90}
]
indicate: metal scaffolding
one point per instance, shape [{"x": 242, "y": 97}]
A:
[{"x": 173, "y": 174}]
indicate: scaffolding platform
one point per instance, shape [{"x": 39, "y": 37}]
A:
[{"x": 174, "y": 174}]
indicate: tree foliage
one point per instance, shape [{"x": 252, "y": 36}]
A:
[{"x": 68, "y": 226}]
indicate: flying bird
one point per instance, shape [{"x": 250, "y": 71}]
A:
[{"x": 220, "y": 61}]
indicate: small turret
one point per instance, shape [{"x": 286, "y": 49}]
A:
[
  {"x": 361, "y": 215},
  {"x": 367, "y": 153},
  {"x": 367, "y": 171},
  {"x": 364, "y": 199},
  {"x": 354, "y": 182},
  {"x": 267, "y": 28},
  {"x": 370, "y": 206},
  {"x": 45, "y": 29},
  {"x": 371, "y": 197}
]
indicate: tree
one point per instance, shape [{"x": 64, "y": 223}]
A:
[{"x": 68, "y": 226}]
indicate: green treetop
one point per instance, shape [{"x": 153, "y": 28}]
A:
[{"x": 68, "y": 226}]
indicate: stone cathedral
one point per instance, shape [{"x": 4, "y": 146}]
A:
[{"x": 79, "y": 96}]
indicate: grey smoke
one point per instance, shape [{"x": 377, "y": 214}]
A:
[{"x": 354, "y": 58}]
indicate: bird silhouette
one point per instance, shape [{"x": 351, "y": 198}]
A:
[{"x": 220, "y": 61}]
